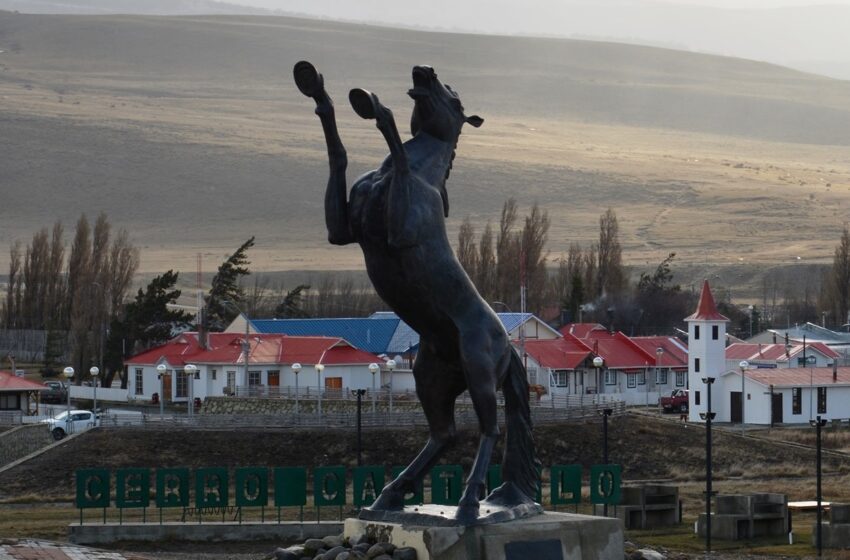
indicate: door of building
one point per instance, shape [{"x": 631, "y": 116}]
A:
[
  {"x": 776, "y": 409},
  {"x": 735, "y": 407},
  {"x": 166, "y": 387}
]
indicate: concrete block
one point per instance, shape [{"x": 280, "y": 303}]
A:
[{"x": 562, "y": 535}]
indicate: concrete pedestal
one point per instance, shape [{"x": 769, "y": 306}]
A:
[{"x": 549, "y": 536}]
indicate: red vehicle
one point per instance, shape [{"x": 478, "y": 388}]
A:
[{"x": 676, "y": 402}]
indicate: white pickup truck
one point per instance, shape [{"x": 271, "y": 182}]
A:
[{"x": 70, "y": 422}]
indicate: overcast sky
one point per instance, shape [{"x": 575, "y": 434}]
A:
[
  {"x": 809, "y": 35},
  {"x": 284, "y": 4}
]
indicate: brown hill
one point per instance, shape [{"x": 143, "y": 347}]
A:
[{"x": 188, "y": 131}]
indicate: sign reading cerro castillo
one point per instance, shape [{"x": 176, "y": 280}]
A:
[{"x": 212, "y": 487}]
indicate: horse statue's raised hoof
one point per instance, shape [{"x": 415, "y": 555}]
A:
[
  {"x": 307, "y": 79},
  {"x": 365, "y": 103}
]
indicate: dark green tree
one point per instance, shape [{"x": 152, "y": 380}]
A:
[
  {"x": 145, "y": 322},
  {"x": 662, "y": 303},
  {"x": 292, "y": 304},
  {"x": 225, "y": 288}
]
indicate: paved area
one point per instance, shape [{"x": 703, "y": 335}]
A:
[{"x": 25, "y": 549}]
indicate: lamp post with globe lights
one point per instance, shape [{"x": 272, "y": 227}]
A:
[
  {"x": 296, "y": 368},
  {"x": 373, "y": 369},
  {"x": 391, "y": 366},
  {"x": 744, "y": 365},
  {"x": 190, "y": 370},
  {"x": 597, "y": 363},
  {"x": 68, "y": 372},
  {"x": 160, "y": 373},
  {"x": 319, "y": 369},
  {"x": 94, "y": 372}
]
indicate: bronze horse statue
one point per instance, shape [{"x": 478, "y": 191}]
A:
[{"x": 397, "y": 215}]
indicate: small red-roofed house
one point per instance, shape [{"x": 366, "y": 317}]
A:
[
  {"x": 18, "y": 395},
  {"x": 561, "y": 365},
  {"x": 329, "y": 363}
]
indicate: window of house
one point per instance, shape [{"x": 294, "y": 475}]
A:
[
  {"x": 680, "y": 379},
  {"x": 715, "y": 332},
  {"x": 696, "y": 365},
  {"x": 821, "y": 400},
  {"x": 631, "y": 380},
  {"x": 696, "y": 398},
  {"x": 140, "y": 382},
  {"x": 796, "y": 400},
  {"x": 10, "y": 401},
  {"x": 254, "y": 378},
  {"x": 641, "y": 378},
  {"x": 696, "y": 332},
  {"x": 610, "y": 377},
  {"x": 213, "y": 374},
  {"x": 182, "y": 384},
  {"x": 560, "y": 377},
  {"x": 661, "y": 377}
]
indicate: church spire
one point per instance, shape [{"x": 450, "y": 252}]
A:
[{"x": 707, "y": 309}]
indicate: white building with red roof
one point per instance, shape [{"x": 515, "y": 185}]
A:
[
  {"x": 326, "y": 363},
  {"x": 706, "y": 356},
  {"x": 778, "y": 384}
]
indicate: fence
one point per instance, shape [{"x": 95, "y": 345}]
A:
[
  {"x": 30, "y": 345},
  {"x": 21, "y": 441}
]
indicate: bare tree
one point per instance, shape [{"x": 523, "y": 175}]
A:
[
  {"x": 840, "y": 278},
  {"x": 79, "y": 280},
  {"x": 533, "y": 257},
  {"x": 508, "y": 257},
  {"x": 11, "y": 313},
  {"x": 610, "y": 277},
  {"x": 485, "y": 279},
  {"x": 35, "y": 281},
  {"x": 467, "y": 253}
]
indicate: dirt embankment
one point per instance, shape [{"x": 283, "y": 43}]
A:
[{"x": 647, "y": 448}]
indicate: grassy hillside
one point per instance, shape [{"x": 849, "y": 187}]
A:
[{"x": 189, "y": 132}]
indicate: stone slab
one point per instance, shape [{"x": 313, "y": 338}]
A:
[
  {"x": 554, "y": 536},
  {"x": 105, "y": 533}
]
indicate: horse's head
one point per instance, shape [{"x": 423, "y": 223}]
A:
[{"x": 437, "y": 110}]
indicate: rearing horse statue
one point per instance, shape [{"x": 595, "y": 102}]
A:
[{"x": 397, "y": 215}]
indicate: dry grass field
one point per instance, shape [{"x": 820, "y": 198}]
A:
[{"x": 189, "y": 132}]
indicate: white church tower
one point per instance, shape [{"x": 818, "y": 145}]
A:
[{"x": 706, "y": 356}]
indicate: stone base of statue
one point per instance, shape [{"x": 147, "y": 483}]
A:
[{"x": 547, "y": 536}]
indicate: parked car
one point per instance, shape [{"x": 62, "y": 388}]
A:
[
  {"x": 57, "y": 392},
  {"x": 676, "y": 402},
  {"x": 70, "y": 422}
]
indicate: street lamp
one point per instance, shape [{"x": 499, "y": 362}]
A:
[
  {"x": 160, "y": 373},
  {"x": 818, "y": 424},
  {"x": 190, "y": 370},
  {"x": 391, "y": 367},
  {"x": 605, "y": 412},
  {"x": 597, "y": 363},
  {"x": 319, "y": 369},
  {"x": 94, "y": 372},
  {"x": 708, "y": 416},
  {"x": 658, "y": 353},
  {"x": 69, "y": 373},
  {"x": 744, "y": 365},
  {"x": 296, "y": 367},
  {"x": 359, "y": 394},
  {"x": 373, "y": 369}
]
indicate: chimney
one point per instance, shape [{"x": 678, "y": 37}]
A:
[
  {"x": 835, "y": 370},
  {"x": 774, "y": 338},
  {"x": 202, "y": 329}
]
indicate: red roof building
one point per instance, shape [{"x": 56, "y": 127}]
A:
[
  {"x": 18, "y": 395},
  {"x": 275, "y": 362}
]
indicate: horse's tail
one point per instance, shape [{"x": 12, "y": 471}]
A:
[{"x": 519, "y": 464}]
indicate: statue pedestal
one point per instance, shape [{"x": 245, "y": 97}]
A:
[{"x": 549, "y": 536}]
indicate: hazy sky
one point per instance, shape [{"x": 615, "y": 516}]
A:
[{"x": 284, "y": 4}]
